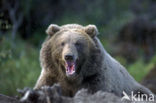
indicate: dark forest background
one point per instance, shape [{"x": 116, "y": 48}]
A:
[{"x": 127, "y": 30}]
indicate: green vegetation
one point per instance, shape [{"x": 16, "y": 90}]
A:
[
  {"x": 139, "y": 69},
  {"x": 19, "y": 65}
]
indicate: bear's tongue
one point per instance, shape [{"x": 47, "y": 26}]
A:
[{"x": 70, "y": 67}]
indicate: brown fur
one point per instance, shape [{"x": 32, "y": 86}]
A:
[
  {"x": 95, "y": 68},
  {"x": 53, "y": 71}
]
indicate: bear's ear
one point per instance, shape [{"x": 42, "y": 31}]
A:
[
  {"x": 52, "y": 29},
  {"x": 91, "y": 30}
]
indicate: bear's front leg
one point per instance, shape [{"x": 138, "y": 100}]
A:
[{"x": 45, "y": 79}]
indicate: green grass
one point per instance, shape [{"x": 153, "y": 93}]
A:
[
  {"x": 19, "y": 66},
  {"x": 139, "y": 69}
]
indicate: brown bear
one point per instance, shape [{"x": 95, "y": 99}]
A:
[{"x": 73, "y": 56}]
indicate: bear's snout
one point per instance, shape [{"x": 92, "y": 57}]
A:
[
  {"x": 70, "y": 64},
  {"x": 69, "y": 53},
  {"x": 69, "y": 57}
]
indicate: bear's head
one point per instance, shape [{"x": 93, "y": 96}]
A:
[{"x": 71, "y": 49}]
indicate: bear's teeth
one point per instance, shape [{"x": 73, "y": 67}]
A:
[{"x": 71, "y": 69}]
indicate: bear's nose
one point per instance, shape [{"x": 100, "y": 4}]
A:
[{"x": 69, "y": 57}]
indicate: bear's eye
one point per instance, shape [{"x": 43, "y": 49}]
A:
[
  {"x": 77, "y": 44},
  {"x": 62, "y": 44}
]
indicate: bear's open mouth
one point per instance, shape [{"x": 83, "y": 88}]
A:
[{"x": 70, "y": 67}]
